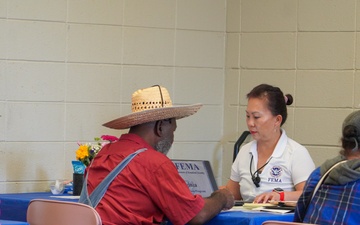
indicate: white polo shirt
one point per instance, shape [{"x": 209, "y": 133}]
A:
[{"x": 289, "y": 165}]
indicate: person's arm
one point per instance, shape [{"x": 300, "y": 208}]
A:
[
  {"x": 219, "y": 200},
  {"x": 234, "y": 188},
  {"x": 294, "y": 195},
  {"x": 288, "y": 195}
]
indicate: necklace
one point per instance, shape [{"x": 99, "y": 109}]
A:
[{"x": 255, "y": 176}]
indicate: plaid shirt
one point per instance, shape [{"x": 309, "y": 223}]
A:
[{"x": 332, "y": 204}]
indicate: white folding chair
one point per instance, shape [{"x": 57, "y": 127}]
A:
[{"x": 52, "y": 212}]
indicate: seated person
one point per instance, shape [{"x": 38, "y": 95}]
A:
[
  {"x": 337, "y": 201},
  {"x": 272, "y": 167},
  {"x": 149, "y": 189}
]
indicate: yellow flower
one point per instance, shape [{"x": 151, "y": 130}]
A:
[
  {"x": 86, "y": 152},
  {"x": 82, "y": 152}
]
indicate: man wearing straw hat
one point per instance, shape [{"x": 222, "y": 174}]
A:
[{"x": 149, "y": 189}]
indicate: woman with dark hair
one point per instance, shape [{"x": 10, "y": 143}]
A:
[
  {"x": 272, "y": 167},
  {"x": 337, "y": 198}
]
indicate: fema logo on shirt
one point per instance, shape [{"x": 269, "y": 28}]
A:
[{"x": 275, "y": 173}]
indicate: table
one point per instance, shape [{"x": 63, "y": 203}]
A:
[
  {"x": 248, "y": 218},
  {"x": 14, "y": 207},
  {"x": 11, "y": 222}
]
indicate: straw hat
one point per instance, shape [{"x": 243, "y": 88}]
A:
[{"x": 151, "y": 104}]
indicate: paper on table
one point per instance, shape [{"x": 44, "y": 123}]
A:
[
  {"x": 259, "y": 207},
  {"x": 281, "y": 211},
  {"x": 266, "y": 207},
  {"x": 240, "y": 208},
  {"x": 256, "y": 205}
]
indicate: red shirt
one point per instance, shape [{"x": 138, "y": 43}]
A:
[{"x": 148, "y": 190}]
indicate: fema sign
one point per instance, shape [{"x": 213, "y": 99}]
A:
[{"x": 198, "y": 176}]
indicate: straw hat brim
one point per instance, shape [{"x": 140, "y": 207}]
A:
[{"x": 150, "y": 115}]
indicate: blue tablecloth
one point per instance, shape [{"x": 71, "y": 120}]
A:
[
  {"x": 11, "y": 222},
  {"x": 14, "y": 207},
  {"x": 248, "y": 218}
]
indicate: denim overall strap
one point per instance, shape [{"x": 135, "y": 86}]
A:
[{"x": 95, "y": 197}]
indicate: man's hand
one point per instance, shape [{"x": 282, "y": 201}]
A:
[{"x": 227, "y": 196}]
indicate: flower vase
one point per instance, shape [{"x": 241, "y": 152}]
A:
[{"x": 78, "y": 180}]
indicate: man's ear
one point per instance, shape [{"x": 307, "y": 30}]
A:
[{"x": 158, "y": 128}]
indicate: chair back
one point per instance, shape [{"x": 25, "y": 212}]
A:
[
  {"x": 52, "y": 212},
  {"x": 274, "y": 222}
]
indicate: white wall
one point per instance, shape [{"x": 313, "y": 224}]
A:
[{"x": 66, "y": 67}]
